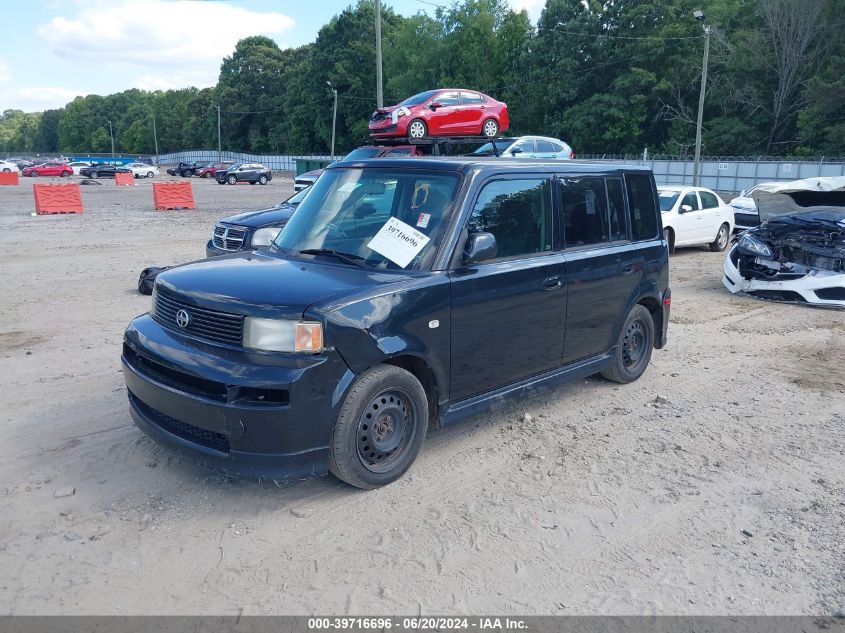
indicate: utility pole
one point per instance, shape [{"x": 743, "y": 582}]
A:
[
  {"x": 219, "y": 143},
  {"x": 379, "y": 94},
  {"x": 155, "y": 135},
  {"x": 696, "y": 163},
  {"x": 334, "y": 114},
  {"x": 111, "y": 135}
]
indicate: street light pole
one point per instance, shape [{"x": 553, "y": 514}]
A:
[
  {"x": 379, "y": 95},
  {"x": 155, "y": 135},
  {"x": 219, "y": 142},
  {"x": 111, "y": 135},
  {"x": 334, "y": 115},
  {"x": 696, "y": 163}
]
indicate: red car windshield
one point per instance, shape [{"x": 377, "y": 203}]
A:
[{"x": 419, "y": 98}]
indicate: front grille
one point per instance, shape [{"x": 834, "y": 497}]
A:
[
  {"x": 211, "y": 325},
  {"x": 195, "y": 434},
  {"x": 228, "y": 238}
]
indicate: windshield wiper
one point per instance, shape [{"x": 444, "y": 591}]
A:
[{"x": 347, "y": 258}]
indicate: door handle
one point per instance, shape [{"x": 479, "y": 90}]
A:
[
  {"x": 550, "y": 283},
  {"x": 628, "y": 269}
]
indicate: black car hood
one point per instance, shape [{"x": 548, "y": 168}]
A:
[
  {"x": 263, "y": 217},
  {"x": 265, "y": 284}
]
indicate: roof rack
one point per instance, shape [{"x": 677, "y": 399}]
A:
[{"x": 440, "y": 145}]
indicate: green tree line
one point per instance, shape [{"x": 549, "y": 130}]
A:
[{"x": 607, "y": 77}]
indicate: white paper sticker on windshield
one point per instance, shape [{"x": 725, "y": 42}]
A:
[{"x": 398, "y": 241}]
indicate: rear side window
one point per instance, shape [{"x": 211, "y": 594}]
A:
[
  {"x": 518, "y": 213},
  {"x": 643, "y": 209},
  {"x": 399, "y": 152},
  {"x": 472, "y": 98},
  {"x": 545, "y": 147},
  {"x": 585, "y": 211},
  {"x": 708, "y": 200}
]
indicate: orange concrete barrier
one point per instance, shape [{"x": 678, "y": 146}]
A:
[
  {"x": 173, "y": 195},
  {"x": 121, "y": 178},
  {"x": 51, "y": 199},
  {"x": 9, "y": 178}
]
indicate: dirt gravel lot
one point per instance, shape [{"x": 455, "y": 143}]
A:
[{"x": 725, "y": 496}]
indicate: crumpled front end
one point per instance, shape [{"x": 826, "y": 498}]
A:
[{"x": 797, "y": 259}]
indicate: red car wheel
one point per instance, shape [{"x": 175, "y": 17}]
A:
[
  {"x": 417, "y": 129},
  {"x": 490, "y": 128}
]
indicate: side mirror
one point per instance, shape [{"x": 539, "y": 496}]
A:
[
  {"x": 480, "y": 247},
  {"x": 685, "y": 208},
  {"x": 434, "y": 105},
  {"x": 516, "y": 150}
]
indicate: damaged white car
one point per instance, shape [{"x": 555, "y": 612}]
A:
[{"x": 797, "y": 254}]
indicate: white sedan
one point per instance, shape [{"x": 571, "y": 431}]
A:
[
  {"x": 142, "y": 170},
  {"x": 8, "y": 166},
  {"x": 695, "y": 216},
  {"x": 77, "y": 166}
]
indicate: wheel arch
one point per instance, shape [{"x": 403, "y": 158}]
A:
[
  {"x": 428, "y": 379},
  {"x": 655, "y": 308}
]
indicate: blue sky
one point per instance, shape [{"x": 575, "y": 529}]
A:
[{"x": 54, "y": 50}]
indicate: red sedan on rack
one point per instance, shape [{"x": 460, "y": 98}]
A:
[
  {"x": 442, "y": 112},
  {"x": 49, "y": 169}
]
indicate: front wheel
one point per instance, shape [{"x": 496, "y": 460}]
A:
[
  {"x": 34, "y": 174},
  {"x": 6, "y": 170},
  {"x": 633, "y": 349},
  {"x": 721, "y": 241},
  {"x": 94, "y": 174},
  {"x": 417, "y": 129},
  {"x": 490, "y": 128},
  {"x": 232, "y": 180},
  {"x": 186, "y": 173},
  {"x": 262, "y": 180},
  {"x": 380, "y": 428},
  {"x": 150, "y": 174}
]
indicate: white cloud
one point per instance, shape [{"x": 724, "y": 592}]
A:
[
  {"x": 159, "y": 38},
  {"x": 533, "y": 7},
  {"x": 36, "y": 99}
]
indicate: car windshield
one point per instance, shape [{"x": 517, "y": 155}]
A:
[
  {"x": 667, "y": 199},
  {"x": 419, "y": 98},
  {"x": 487, "y": 148},
  {"x": 362, "y": 152},
  {"x": 297, "y": 197},
  {"x": 381, "y": 218}
]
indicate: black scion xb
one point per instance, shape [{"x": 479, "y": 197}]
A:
[{"x": 402, "y": 294}]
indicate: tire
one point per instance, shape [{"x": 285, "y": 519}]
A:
[
  {"x": 722, "y": 239},
  {"x": 34, "y": 174},
  {"x": 232, "y": 180},
  {"x": 66, "y": 174},
  {"x": 95, "y": 175},
  {"x": 417, "y": 129},
  {"x": 393, "y": 399},
  {"x": 262, "y": 179},
  {"x": 669, "y": 236},
  {"x": 150, "y": 174},
  {"x": 490, "y": 128},
  {"x": 633, "y": 348},
  {"x": 6, "y": 170},
  {"x": 205, "y": 175}
]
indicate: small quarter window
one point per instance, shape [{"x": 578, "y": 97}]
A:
[{"x": 643, "y": 206}]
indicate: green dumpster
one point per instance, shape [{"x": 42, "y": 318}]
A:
[{"x": 310, "y": 164}]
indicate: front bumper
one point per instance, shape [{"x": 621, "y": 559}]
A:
[
  {"x": 816, "y": 288},
  {"x": 390, "y": 129},
  {"x": 248, "y": 414}
]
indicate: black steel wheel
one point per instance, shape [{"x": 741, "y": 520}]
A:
[
  {"x": 380, "y": 428},
  {"x": 633, "y": 348}
]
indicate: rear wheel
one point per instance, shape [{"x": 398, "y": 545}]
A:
[
  {"x": 417, "y": 129},
  {"x": 232, "y": 180},
  {"x": 150, "y": 174},
  {"x": 490, "y": 128},
  {"x": 186, "y": 173},
  {"x": 95, "y": 174},
  {"x": 380, "y": 428},
  {"x": 633, "y": 349},
  {"x": 6, "y": 170},
  {"x": 721, "y": 240},
  {"x": 65, "y": 174}
]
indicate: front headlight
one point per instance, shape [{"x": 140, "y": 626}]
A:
[
  {"x": 754, "y": 246},
  {"x": 265, "y": 237},
  {"x": 275, "y": 335}
]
